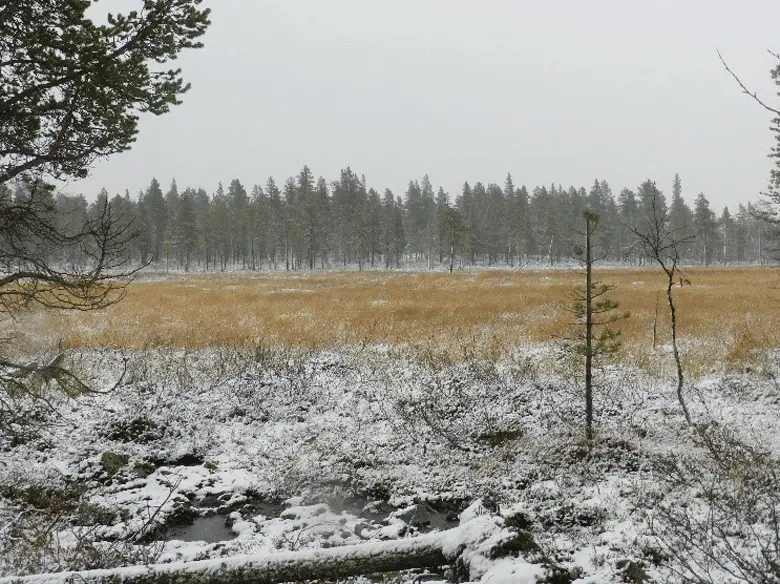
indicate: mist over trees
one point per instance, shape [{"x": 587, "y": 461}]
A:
[{"x": 313, "y": 223}]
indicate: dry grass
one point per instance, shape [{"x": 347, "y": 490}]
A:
[{"x": 727, "y": 314}]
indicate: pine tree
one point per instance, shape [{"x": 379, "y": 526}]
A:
[
  {"x": 519, "y": 227},
  {"x": 414, "y": 208},
  {"x": 388, "y": 227},
  {"x": 275, "y": 221},
  {"x": 453, "y": 230},
  {"x": 479, "y": 236},
  {"x": 201, "y": 205},
  {"x": 428, "y": 221},
  {"x": 466, "y": 205},
  {"x": 494, "y": 226},
  {"x": 510, "y": 212},
  {"x": 680, "y": 217},
  {"x": 305, "y": 209},
  {"x": 609, "y": 232},
  {"x": 742, "y": 230},
  {"x": 705, "y": 228},
  {"x": 187, "y": 228},
  {"x": 728, "y": 234},
  {"x": 324, "y": 219},
  {"x": 259, "y": 226},
  {"x": 399, "y": 238},
  {"x": 157, "y": 219},
  {"x": 592, "y": 311},
  {"x": 171, "y": 245},
  {"x": 291, "y": 224},
  {"x": 442, "y": 207},
  {"x": 542, "y": 211},
  {"x": 772, "y": 199},
  {"x": 372, "y": 226},
  {"x": 71, "y": 216},
  {"x": 238, "y": 202},
  {"x": 72, "y": 89},
  {"x": 126, "y": 211},
  {"x": 219, "y": 228}
]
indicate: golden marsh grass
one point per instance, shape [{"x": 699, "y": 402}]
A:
[{"x": 726, "y": 315}]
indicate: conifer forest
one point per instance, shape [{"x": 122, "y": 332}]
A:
[{"x": 309, "y": 223}]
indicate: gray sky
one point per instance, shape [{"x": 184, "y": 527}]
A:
[{"x": 558, "y": 91}]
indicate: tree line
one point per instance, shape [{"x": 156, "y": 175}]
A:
[{"x": 310, "y": 223}]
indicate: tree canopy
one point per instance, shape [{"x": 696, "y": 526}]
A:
[{"x": 71, "y": 90}]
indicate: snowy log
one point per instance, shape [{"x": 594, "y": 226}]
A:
[{"x": 426, "y": 551}]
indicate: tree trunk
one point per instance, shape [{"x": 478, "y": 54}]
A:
[
  {"x": 677, "y": 361},
  {"x": 323, "y": 564},
  {"x": 462, "y": 545},
  {"x": 588, "y": 331}
]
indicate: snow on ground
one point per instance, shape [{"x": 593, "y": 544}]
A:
[{"x": 309, "y": 450}]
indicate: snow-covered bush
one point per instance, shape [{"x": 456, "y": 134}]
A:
[{"x": 717, "y": 511}]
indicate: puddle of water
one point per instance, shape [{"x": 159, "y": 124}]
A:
[{"x": 209, "y": 529}]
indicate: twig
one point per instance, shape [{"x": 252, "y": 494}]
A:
[{"x": 745, "y": 90}]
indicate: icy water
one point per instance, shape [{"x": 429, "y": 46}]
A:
[{"x": 209, "y": 529}]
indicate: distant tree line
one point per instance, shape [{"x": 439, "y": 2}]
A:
[{"x": 309, "y": 223}]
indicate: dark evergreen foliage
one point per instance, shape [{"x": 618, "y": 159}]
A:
[{"x": 315, "y": 224}]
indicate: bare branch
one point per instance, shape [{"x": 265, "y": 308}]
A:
[{"x": 745, "y": 90}]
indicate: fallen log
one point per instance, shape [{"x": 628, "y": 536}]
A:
[{"x": 461, "y": 544}]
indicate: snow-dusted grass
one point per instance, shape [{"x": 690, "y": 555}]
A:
[
  {"x": 358, "y": 445},
  {"x": 319, "y": 410},
  {"x": 727, "y": 316}
]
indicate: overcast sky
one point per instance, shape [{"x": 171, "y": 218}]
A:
[{"x": 558, "y": 91}]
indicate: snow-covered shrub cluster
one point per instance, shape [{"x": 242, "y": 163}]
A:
[{"x": 299, "y": 450}]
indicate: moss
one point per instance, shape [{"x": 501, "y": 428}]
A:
[
  {"x": 64, "y": 499},
  {"x": 500, "y": 437},
  {"x": 632, "y": 571},
  {"x": 112, "y": 462},
  {"x": 558, "y": 575},
  {"x": 140, "y": 430},
  {"x": 522, "y": 542},
  {"x": 143, "y": 468}
]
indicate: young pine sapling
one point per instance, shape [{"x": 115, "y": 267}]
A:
[{"x": 595, "y": 314}]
